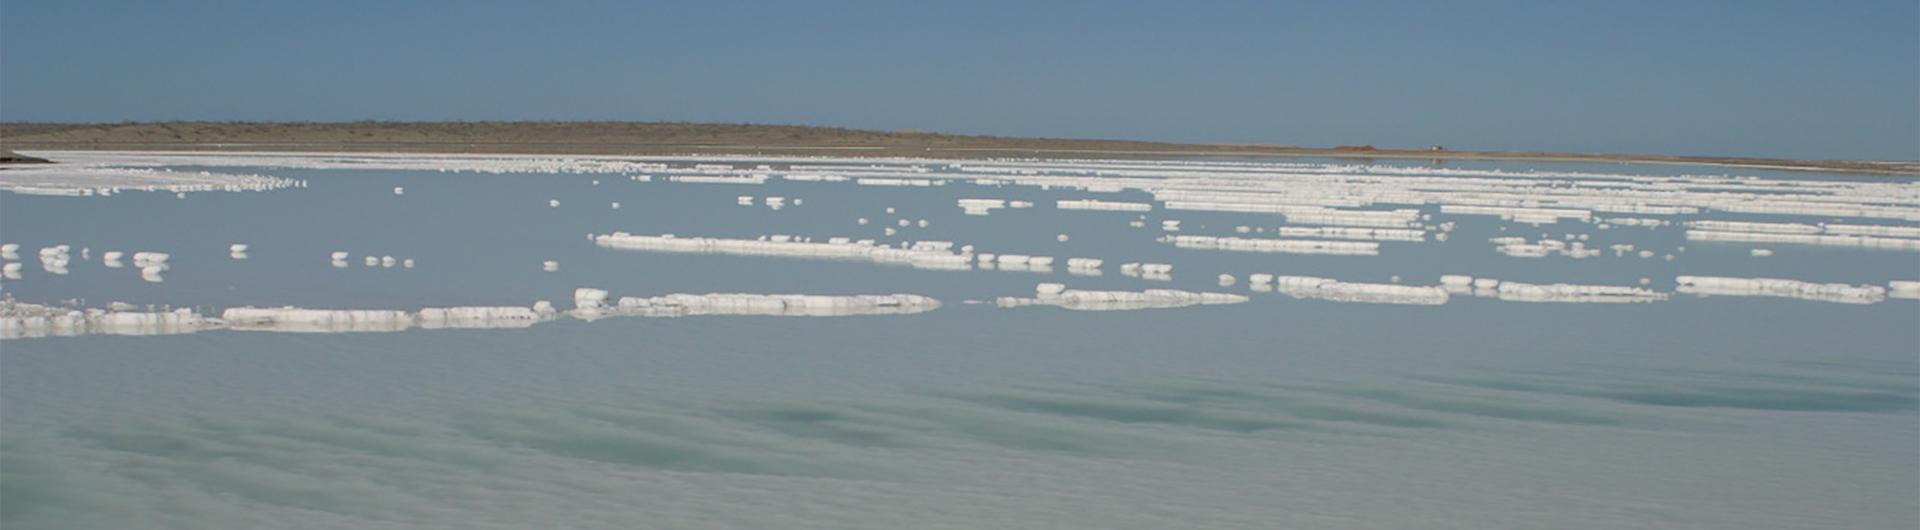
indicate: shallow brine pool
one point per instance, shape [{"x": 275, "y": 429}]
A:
[{"x": 938, "y": 344}]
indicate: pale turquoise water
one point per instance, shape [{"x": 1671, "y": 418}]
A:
[{"x": 1695, "y": 413}]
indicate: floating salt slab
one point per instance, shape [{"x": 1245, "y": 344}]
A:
[
  {"x": 1456, "y": 280},
  {"x": 11, "y": 270},
  {"x": 1760, "y": 252},
  {"x": 1057, "y": 295},
  {"x": 707, "y": 179},
  {"x": 553, "y": 203},
  {"x": 893, "y": 182},
  {"x": 1226, "y": 280},
  {"x": 338, "y": 263},
  {"x": 861, "y": 221},
  {"x": 237, "y": 248},
  {"x": 1288, "y": 246},
  {"x": 1347, "y": 232},
  {"x": 1744, "y": 226},
  {"x": 388, "y": 261},
  {"x": 890, "y": 231},
  {"x": 676, "y": 305},
  {"x": 1111, "y": 206},
  {"x": 1084, "y": 263},
  {"x": 743, "y": 200},
  {"x": 917, "y": 258},
  {"x": 1886, "y": 243},
  {"x": 1403, "y": 218},
  {"x": 1519, "y": 215},
  {"x": 616, "y": 205},
  {"x": 10, "y": 251},
  {"x": 477, "y": 317},
  {"x": 1147, "y": 271},
  {"x": 921, "y": 223},
  {"x": 1371, "y": 293},
  {"x": 1907, "y": 289},
  {"x": 550, "y": 266},
  {"x": 152, "y": 273},
  {"x": 988, "y": 204},
  {"x": 1874, "y": 230},
  {"x": 1259, "y": 278},
  {"x": 339, "y": 255},
  {"x": 589, "y": 298},
  {"x": 20, "y": 320},
  {"x": 399, "y": 190},
  {"x": 1570, "y": 293},
  {"x": 1170, "y": 225},
  {"x": 371, "y": 261},
  {"x": 1781, "y": 288},
  {"x": 1519, "y": 247},
  {"x": 299, "y": 320},
  {"x": 407, "y": 263}
]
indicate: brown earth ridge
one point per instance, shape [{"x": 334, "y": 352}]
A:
[{"x": 664, "y": 138}]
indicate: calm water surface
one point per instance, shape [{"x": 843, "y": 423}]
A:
[{"x": 1278, "y": 413}]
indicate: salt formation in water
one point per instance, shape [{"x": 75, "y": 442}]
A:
[
  {"x": 1907, "y": 289},
  {"x": 1058, "y": 295},
  {"x": 10, "y": 251},
  {"x": 1148, "y": 271},
  {"x": 1831, "y": 240},
  {"x": 1781, "y": 288},
  {"x": 19, "y": 320},
  {"x": 1373, "y": 293},
  {"x": 477, "y": 317},
  {"x": 11, "y": 270},
  {"x": 1111, "y": 206},
  {"x": 1346, "y": 232},
  {"x": 1519, "y": 247},
  {"x": 550, "y": 266},
  {"x": 1289, "y": 246},
  {"x": 675, "y": 305},
  {"x": 99, "y": 179},
  {"x": 981, "y": 206},
  {"x": 864, "y": 250},
  {"x": 54, "y": 259},
  {"x": 292, "y": 319},
  {"x": 1760, "y": 252},
  {"x": 1571, "y": 293},
  {"x": 399, "y": 190}
]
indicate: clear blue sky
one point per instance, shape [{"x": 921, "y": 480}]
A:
[{"x": 1797, "y": 79}]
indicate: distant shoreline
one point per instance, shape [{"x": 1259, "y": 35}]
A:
[{"x": 638, "y": 138}]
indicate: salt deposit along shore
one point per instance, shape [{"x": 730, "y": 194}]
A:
[{"x": 23, "y": 320}]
